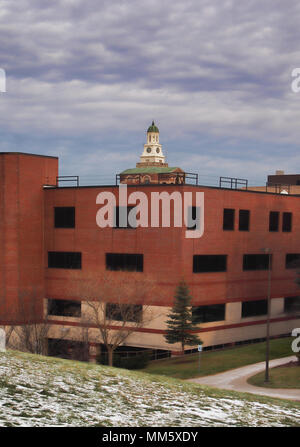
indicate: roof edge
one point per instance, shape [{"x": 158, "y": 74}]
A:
[{"x": 27, "y": 153}]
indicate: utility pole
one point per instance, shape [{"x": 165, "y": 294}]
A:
[
  {"x": 267, "y": 250},
  {"x": 199, "y": 350}
]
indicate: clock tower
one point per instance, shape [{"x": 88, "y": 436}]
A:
[
  {"x": 152, "y": 167},
  {"x": 152, "y": 154}
]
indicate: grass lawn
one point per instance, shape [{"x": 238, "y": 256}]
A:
[
  {"x": 281, "y": 377},
  {"x": 186, "y": 367},
  {"x": 37, "y": 391}
]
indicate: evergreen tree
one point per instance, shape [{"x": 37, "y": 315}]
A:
[{"x": 180, "y": 323}]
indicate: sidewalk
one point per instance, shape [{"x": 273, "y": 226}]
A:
[{"x": 236, "y": 380}]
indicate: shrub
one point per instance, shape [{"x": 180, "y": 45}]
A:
[
  {"x": 102, "y": 359},
  {"x": 138, "y": 361}
]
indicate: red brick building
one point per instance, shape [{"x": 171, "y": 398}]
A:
[{"x": 50, "y": 242}]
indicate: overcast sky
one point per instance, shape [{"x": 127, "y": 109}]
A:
[{"x": 85, "y": 78}]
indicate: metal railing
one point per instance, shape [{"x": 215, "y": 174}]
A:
[
  {"x": 278, "y": 187},
  {"x": 177, "y": 178},
  {"x": 233, "y": 182},
  {"x": 67, "y": 179}
]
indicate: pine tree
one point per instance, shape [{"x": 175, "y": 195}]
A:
[{"x": 180, "y": 323}]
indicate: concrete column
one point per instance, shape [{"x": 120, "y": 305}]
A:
[
  {"x": 94, "y": 351},
  {"x": 233, "y": 312},
  {"x": 277, "y": 306}
]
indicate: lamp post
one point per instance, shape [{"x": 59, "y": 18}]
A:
[{"x": 268, "y": 251}]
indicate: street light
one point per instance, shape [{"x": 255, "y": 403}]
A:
[{"x": 268, "y": 251}]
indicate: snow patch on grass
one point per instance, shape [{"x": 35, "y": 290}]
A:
[{"x": 42, "y": 391}]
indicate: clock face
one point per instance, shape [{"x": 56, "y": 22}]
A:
[
  {"x": 148, "y": 150},
  {"x": 157, "y": 150}
]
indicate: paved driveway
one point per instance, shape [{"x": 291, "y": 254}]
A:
[{"x": 236, "y": 380}]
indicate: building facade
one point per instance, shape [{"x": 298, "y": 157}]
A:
[{"x": 51, "y": 245}]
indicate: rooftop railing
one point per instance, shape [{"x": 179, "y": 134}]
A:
[
  {"x": 278, "y": 188},
  {"x": 67, "y": 179},
  {"x": 187, "y": 178},
  {"x": 233, "y": 183}
]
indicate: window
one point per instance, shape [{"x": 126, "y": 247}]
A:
[
  {"x": 287, "y": 222},
  {"x": 124, "y": 312},
  {"x": 292, "y": 304},
  {"x": 126, "y": 262},
  {"x": 64, "y": 217},
  {"x": 292, "y": 261},
  {"x": 206, "y": 314},
  {"x": 254, "y": 308},
  {"x": 119, "y": 210},
  {"x": 256, "y": 262},
  {"x": 64, "y": 308},
  {"x": 68, "y": 349},
  {"x": 192, "y": 216},
  {"x": 244, "y": 218},
  {"x": 64, "y": 260},
  {"x": 273, "y": 221},
  {"x": 228, "y": 219},
  {"x": 209, "y": 263}
]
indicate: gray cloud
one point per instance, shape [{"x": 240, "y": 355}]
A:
[{"x": 204, "y": 69}]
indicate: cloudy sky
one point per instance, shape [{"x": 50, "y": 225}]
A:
[{"x": 85, "y": 78}]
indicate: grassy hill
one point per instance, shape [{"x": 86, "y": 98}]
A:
[{"x": 44, "y": 391}]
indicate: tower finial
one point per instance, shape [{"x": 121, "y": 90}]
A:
[{"x": 153, "y": 128}]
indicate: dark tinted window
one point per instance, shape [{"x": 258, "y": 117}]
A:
[
  {"x": 244, "y": 218},
  {"x": 124, "y": 261},
  {"x": 64, "y": 217},
  {"x": 256, "y": 262},
  {"x": 205, "y": 314},
  {"x": 68, "y": 349},
  {"x": 192, "y": 216},
  {"x": 292, "y": 260},
  {"x": 287, "y": 222},
  {"x": 273, "y": 221},
  {"x": 64, "y": 260},
  {"x": 292, "y": 304},
  {"x": 228, "y": 219},
  {"x": 254, "y": 308},
  {"x": 64, "y": 308},
  {"x": 122, "y": 213},
  {"x": 124, "y": 312},
  {"x": 209, "y": 263}
]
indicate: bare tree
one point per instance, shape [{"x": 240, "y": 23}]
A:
[
  {"x": 117, "y": 307},
  {"x": 30, "y": 328},
  {"x": 8, "y": 329},
  {"x": 6, "y": 323}
]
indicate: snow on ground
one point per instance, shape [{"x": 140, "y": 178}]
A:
[{"x": 42, "y": 391}]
